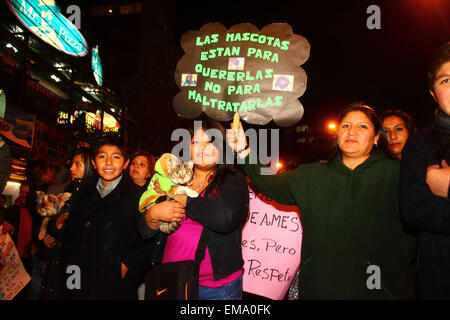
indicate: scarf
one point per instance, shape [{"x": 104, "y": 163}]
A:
[{"x": 442, "y": 124}]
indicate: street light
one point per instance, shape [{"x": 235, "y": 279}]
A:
[{"x": 332, "y": 126}]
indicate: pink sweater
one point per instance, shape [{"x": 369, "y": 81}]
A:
[{"x": 182, "y": 245}]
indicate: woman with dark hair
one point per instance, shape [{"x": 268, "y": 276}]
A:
[
  {"x": 220, "y": 209},
  {"x": 396, "y": 127},
  {"x": 353, "y": 246},
  {"x": 142, "y": 168},
  {"x": 81, "y": 170}
]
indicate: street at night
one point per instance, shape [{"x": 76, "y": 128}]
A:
[{"x": 263, "y": 152}]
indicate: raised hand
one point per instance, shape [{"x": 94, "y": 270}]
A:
[{"x": 236, "y": 139}]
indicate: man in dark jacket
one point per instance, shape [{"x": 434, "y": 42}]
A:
[{"x": 424, "y": 204}]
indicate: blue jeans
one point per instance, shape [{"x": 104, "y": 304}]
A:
[{"x": 231, "y": 291}]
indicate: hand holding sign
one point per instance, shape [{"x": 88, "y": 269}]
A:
[
  {"x": 242, "y": 70},
  {"x": 235, "y": 124},
  {"x": 236, "y": 136}
]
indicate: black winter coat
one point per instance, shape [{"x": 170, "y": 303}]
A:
[
  {"x": 101, "y": 234},
  {"x": 429, "y": 214},
  {"x": 54, "y": 287}
]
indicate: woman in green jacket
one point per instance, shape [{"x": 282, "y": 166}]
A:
[{"x": 353, "y": 243}]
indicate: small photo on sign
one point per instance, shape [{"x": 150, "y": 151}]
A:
[
  {"x": 283, "y": 82},
  {"x": 236, "y": 63},
  {"x": 188, "y": 80}
]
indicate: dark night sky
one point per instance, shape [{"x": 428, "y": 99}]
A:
[{"x": 385, "y": 68}]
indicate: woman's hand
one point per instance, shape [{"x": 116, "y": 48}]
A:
[
  {"x": 237, "y": 140},
  {"x": 438, "y": 179},
  {"x": 164, "y": 211},
  {"x": 49, "y": 241},
  {"x": 60, "y": 220},
  {"x": 181, "y": 198}
]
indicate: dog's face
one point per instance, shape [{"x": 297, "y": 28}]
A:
[{"x": 49, "y": 205}]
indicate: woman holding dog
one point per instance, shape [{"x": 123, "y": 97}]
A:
[{"x": 219, "y": 209}]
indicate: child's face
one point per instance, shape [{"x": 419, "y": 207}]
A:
[
  {"x": 109, "y": 163},
  {"x": 442, "y": 88}
]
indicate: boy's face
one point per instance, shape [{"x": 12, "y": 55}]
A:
[
  {"x": 442, "y": 88},
  {"x": 109, "y": 163}
]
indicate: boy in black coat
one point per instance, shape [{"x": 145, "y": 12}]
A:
[
  {"x": 425, "y": 202},
  {"x": 102, "y": 238}
]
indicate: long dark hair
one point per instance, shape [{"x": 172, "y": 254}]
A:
[
  {"x": 224, "y": 167},
  {"x": 86, "y": 156},
  {"x": 371, "y": 115},
  {"x": 89, "y": 172},
  {"x": 409, "y": 124}
]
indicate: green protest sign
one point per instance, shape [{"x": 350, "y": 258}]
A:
[{"x": 253, "y": 72}]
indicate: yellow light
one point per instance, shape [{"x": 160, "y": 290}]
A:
[
  {"x": 279, "y": 165},
  {"x": 110, "y": 10},
  {"x": 332, "y": 126},
  {"x": 13, "y": 184}
]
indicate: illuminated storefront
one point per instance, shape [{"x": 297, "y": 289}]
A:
[{"x": 47, "y": 73}]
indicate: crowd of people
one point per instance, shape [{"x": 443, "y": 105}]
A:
[{"x": 380, "y": 200}]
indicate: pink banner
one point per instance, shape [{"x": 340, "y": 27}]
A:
[{"x": 271, "y": 246}]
